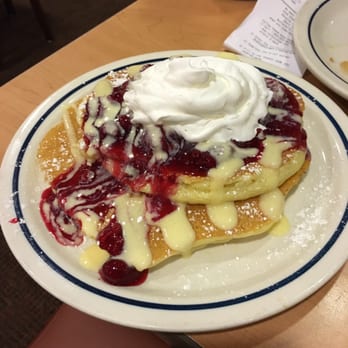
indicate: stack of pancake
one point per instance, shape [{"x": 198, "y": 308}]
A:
[{"x": 238, "y": 198}]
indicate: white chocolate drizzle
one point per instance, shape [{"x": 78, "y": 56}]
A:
[
  {"x": 177, "y": 230},
  {"x": 223, "y": 215},
  {"x": 93, "y": 257},
  {"x": 272, "y": 154},
  {"x": 272, "y": 204},
  {"x": 130, "y": 213}
]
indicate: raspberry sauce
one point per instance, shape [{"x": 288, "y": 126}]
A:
[{"x": 89, "y": 188}]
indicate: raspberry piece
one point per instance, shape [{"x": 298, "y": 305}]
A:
[
  {"x": 111, "y": 238},
  {"x": 117, "y": 272}
]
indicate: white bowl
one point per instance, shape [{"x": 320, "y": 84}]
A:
[{"x": 321, "y": 39}]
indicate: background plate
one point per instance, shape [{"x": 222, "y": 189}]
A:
[
  {"x": 218, "y": 287},
  {"x": 320, "y": 37}
]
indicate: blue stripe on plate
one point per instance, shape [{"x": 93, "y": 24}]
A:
[{"x": 154, "y": 305}]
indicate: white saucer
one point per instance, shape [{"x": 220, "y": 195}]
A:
[{"x": 216, "y": 288}]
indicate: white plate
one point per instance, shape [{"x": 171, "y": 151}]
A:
[
  {"x": 320, "y": 37},
  {"x": 218, "y": 287}
]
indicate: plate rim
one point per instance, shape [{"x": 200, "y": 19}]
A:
[
  {"x": 305, "y": 49},
  {"x": 159, "y": 55}
]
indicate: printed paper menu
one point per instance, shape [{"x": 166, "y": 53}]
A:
[{"x": 267, "y": 34}]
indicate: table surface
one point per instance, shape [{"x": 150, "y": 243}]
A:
[{"x": 152, "y": 25}]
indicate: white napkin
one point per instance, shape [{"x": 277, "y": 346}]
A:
[{"x": 267, "y": 34}]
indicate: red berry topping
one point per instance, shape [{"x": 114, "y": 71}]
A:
[
  {"x": 119, "y": 91},
  {"x": 111, "y": 238},
  {"x": 159, "y": 206},
  {"x": 117, "y": 272}
]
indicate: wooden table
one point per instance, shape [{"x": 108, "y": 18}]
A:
[{"x": 155, "y": 25}]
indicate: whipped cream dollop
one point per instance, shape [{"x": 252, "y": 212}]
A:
[{"x": 200, "y": 98}]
